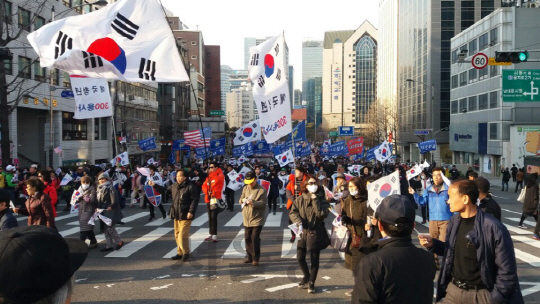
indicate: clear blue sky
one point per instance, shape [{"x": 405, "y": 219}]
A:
[{"x": 226, "y": 23}]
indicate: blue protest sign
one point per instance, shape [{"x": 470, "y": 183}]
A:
[
  {"x": 202, "y": 152},
  {"x": 426, "y": 146},
  {"x": 148, "y": 144},
  {"x": 245, "y": 150},
  {"x": 218, "y": 151},
  {"x": 216, "y": 143},
  {"x": 303, "y": 151},
  {"x": 339, "y": 148},
  {"x": 178, "y": 145},
  {"x": 261, "y": 147}
]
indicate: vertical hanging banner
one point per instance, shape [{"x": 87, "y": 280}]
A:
[
  {"x": 92, "y": 97},
  {"x": 268, "y": 68},
  {"x": 126, "y": 40},
  {"x": 356, "y": 146}
]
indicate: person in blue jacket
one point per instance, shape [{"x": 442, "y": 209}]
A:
[
  {"x": 479, "y": 263},
  {"x": 436, "y": 196}
]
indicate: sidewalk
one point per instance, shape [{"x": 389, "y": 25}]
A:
[{"x": 496, "y": 183}]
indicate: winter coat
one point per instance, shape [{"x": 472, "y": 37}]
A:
[
  {"x": 136, "y": 183},
  {"x": 438, "y": 208},
  {"x": 254, "y": 215},
  {"x": 7, "y": 220},
  {"x": 310, "y": 212},
  {"x": 394, "y": 271},
  {"x": 489, "y": 205},
  {"x": 495, "y": 254},
  {"x": 9, "y": 177},
  {"x": 520, "y": 176},
  {"x": 51, "y": 192},
  {"x": 39, "y": 210},
  {"x": 86, "y": 208},
  {"x": 506, "y": 176},
  {"x": 185, "y": 198},
  {"x": 2, "y": 181},
  {"x": 354, "y": 221},
  {"x": 108, "y": 196},
  {"x": 531, "y": 199},
  {"x": 213, "y": 184},
  {"x": 275, "y": 185}
]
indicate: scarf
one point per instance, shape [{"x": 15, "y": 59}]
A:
[{"x": 102, "y": 190}]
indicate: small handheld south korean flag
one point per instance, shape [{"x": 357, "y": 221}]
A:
[
  {"x": 414, "y": 172},
  {"x": 382, "y": 188},
  {"x": 285, "y": 158},
  {"x": 248, "y": 133},
  {"x": 425, "y": 165},
  {"x": 383, "y": 153}
]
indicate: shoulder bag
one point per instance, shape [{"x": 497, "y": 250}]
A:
[{"x": 355, "y": 243}]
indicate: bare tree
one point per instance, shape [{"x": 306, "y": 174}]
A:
[{"x": 12, "y": 27}]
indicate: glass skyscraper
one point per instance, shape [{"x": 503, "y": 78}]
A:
[
  {"x": 312, "y": 58},
  {"x": 366, "y": 77}
]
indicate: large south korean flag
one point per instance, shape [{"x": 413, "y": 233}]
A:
[{"x": 268, "y": 70}]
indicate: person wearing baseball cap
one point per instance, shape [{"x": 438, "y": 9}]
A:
[
  {"x": 38, "y": 265},
  {"x": 8, "y": 178},
  {"x": 253, "y": 201},
  {"x": 394, "y": 269}
]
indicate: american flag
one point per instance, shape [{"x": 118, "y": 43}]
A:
[
  {"x": 58, "y": 150},
  {"x": 195, "y": 138}
]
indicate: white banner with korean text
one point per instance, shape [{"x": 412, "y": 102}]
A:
[{"x": 92, "y": 97}]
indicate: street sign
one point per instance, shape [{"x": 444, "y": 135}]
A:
[
  {"x": 67, "y": 94},
  {"x": 217, "y": 113},
  {"x": 493, "y": 62},
  {"x": 421, "y": 132},
  {"x": 521, "y": 85},
  {"x": 346, "y": 131},
  {"x": 480, "y": 61},
  {"x": 193, "y": 112},
  {"x": 333, "y": 133}
]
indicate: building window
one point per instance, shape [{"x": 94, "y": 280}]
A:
[
  {"x": 463, "y": 105},
  {"x": 25, "y": 67},
  {"x": 454, "y": 81},
  {"x": 472, "y": 46},
  {"x": 454, "y": 106},
  {"x": 493, "y": 131},
  {"x": 472, "y": 103},
  {"x": 494, "y": 35},
  {"x": 8, "y": 12},
  {"x": 8, "y": 65},
  {"x": 73, "y": 129},
  {"x": 55, "y": 76},
  {"x": 462, "y": 79},
  {"x": 39, "y": 72},
  {"x": 454, "y": 56},
  {"x": 193, "y": 43},
  {"x": 483, "y": 102},
  {"x": 483, "y": 41},
  {"x": 39, "y": 22},
  {"x": 24, "y": 18},
  {"x": 483, "y": 74},
  {"x": 493, "y": 70},
  {"x": 472, "y": 75},
  {"x": 193, "y": 57},
  {"x": 493, "y": 100}
]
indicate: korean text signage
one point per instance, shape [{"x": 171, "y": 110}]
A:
[
  {"x": 346, "y": 131},
  {"x": 336, "y": 85},
  {"x": 356, "y": 146},
  {"x": 521, "y": 85}
]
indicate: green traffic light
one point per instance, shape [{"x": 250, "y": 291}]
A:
[{"x": 523, "y": 56}]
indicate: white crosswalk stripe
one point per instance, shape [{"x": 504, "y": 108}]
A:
[
  {"x": 288, "y": 249},
  {"x": 516, "y": 219},
  {"x": 101, "y": 237},
  {"x": 528, "y": 258},
  {"x": 236, "y": 221},
  {"x": 69, "y": 231},
  {"x": 517, "y": 230},
  {"x": 158, "y": 222},
  {"x": 237, "y": 248},
  {"x": 201, "y": 220},
  {"x": 195, "y": 240},
  {"x": 139, "y": 243},
  {"x": 273, "y": 220},
  {"x": 419, "y": 220}
]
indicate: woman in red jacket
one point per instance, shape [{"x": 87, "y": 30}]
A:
[
  {"x": 38, "y": 206},
  {"x": 212, "y": 188},
  {"x": 50, "y": 189}
]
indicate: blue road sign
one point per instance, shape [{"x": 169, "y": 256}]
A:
[
  {"x": 421, "y": 132},
  {"x": 67, "y": 94},
  {"x": 346, "y": 131}
]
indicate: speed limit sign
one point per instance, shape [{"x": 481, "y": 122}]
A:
[{"x": 480, "y": 61}]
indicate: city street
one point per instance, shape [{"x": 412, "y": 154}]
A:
[{"x": 141, "y": 272}]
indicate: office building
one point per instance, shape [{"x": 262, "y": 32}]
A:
[
  {"x": 241, "y": 107},
  {"x": 312, "y": 58}
]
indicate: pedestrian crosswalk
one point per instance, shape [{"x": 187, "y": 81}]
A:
[{"x": 141, "y": 236}]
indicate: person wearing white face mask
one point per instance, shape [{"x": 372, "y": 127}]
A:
[
  {"x": 309, "y": 211},
  {"x": 85, "y": 196}
]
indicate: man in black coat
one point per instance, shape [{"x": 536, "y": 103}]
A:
[
  {"x": 394, "y": 269},
  {"x": 185, "y": 200},
  {"x": 487, "y": 203},
  {"x": 7, "y": 220}
]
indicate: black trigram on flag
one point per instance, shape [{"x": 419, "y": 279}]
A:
[
  {"x": 254, "y": 60},
  {"x": 124, "y": 27},
  {"x": 260, "y": 81},
  {"x": 147, "y": 69},
  {"x": 278, "y": 75},
  {"x": 92, "y": 60},
  {"x": 63, "y": 43},
  {"x": 393, "y": 179}
]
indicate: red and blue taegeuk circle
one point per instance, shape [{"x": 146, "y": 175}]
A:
[
  {"x": 284, "y": 158},
  {"x": 385, "y": 190},
  {"x": 247, "y": 132},
  {"x": 268, "y": 65},
  {"x": 240, "y": 178},
  {"x": 109, "y": 50},
  {"x": 384, "y": 151}
]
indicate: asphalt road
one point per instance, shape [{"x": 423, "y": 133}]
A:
[{"x": 141, "y": 272}]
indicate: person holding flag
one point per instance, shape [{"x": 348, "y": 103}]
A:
[
  {"x": 155, "y": 181},
  {"x": 212, "y": 189},
  {"x": 253, "y": 201},
  {"x": 436, "y": 196}
]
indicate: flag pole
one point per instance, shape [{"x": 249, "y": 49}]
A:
[{"x": 200, "y": 121}]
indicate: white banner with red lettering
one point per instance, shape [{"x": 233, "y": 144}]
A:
[{"x": 92, "y": 97}]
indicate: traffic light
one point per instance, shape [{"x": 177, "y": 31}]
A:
[
  {"x": 54, "y": 103},
  {"x": 46, "y": 101},
  {"x": 513, "y": 57}
]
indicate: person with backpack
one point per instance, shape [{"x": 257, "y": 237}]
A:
[{"x": 505, "y": 178}]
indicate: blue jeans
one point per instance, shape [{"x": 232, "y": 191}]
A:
[
  {"x": 504, "y": 183},
  {"x": 283, "y": 199}
]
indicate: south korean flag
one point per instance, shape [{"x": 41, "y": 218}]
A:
[
  {"x": 248, "y": 133},
  {"x": 127, "y": 40}
]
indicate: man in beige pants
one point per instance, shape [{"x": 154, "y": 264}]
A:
[{"x": 184, "y": 205}]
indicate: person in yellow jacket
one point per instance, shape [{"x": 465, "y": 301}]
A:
[{"x": 253, "y": 201}]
